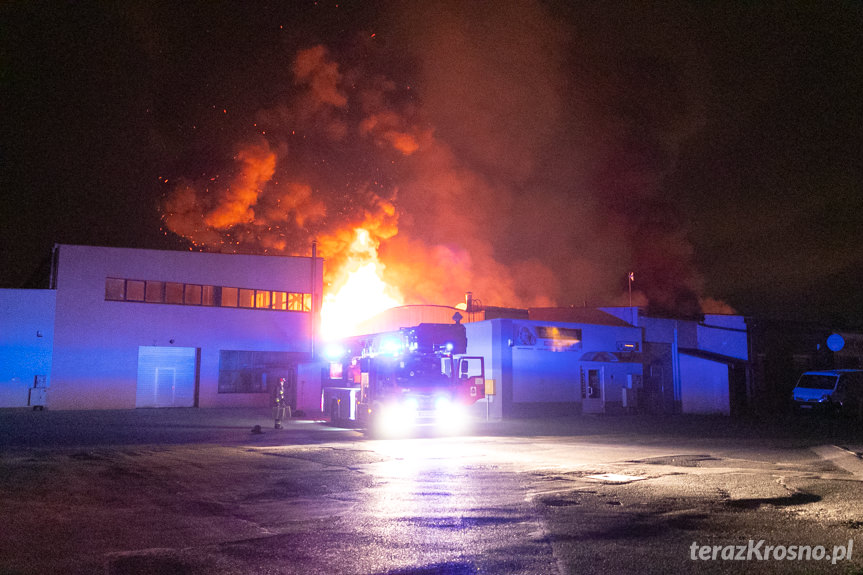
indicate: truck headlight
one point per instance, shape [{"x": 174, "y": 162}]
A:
[
  {"x": 396, "y": 418},
  {"x": 442, "y": 404},
  {"x": 450, "y": 415}
]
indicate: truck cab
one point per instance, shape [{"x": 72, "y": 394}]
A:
[{"x": 416, "y": 376}]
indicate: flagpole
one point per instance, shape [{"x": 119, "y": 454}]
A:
[{"x": 631, "y": 313}]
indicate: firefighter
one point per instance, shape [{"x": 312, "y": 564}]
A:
[{"x": 281, "y": 409}]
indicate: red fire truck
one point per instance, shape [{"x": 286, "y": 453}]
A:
[{"x": 390, "y": 382}]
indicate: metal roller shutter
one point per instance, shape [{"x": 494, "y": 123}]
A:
[{"x": 166, "y": 376}]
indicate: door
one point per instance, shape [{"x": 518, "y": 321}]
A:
[
  {"x": 592, "y": 390},
  {"x": 290, "y": 377},
  {"x": 166, "y": 376}
]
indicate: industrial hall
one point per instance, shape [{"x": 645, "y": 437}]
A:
[{"x": 123, "y": 328}]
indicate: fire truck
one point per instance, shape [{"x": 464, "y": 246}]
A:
[{"x": 388, "y": 383}]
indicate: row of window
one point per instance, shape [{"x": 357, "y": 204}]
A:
[{"x": 149, "y": 291}]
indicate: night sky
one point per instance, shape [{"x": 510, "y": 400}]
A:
[{"x": 533, "y": 153}]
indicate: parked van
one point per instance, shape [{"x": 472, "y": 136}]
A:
[{"x": 833, "y": 390}]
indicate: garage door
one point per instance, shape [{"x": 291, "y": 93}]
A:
[{"x": 166, "y": 376}]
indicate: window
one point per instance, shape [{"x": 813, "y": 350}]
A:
[
  {"x": 176, "y": 293},
  {"x": 247, "y": 298},
  {"x": 262, "y": 299},
  {"x": 134, "y": 290},
  {"x": 229, "y": 297},
  {"x": 193, "y": 295},
  {"x": 295, "y": 301},
  {"x": 173, "y": 292},
  {"x": 251, "y": 371},
  {"x": 594, "y": 384},
  {"x": 208, "y": 295},
  {"x": 558, "y": 333},
  {"x": 816, "y": 381},
  {"x": 115, "y": 289},
  {"x": 154, "y": 292}
]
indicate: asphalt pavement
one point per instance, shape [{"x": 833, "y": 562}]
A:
[
  {"x": 198, "y": 491},
  {"x": 26, "y": 428}
]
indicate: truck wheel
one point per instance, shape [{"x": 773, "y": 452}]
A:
[{"x": 372, "y": 425}]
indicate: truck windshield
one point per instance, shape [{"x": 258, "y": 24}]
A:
[
  {"x": 816, "y": 381},
  {"x": 422, "y": 370}
]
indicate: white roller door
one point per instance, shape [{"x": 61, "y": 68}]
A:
[{"x": 166, "y": 376}]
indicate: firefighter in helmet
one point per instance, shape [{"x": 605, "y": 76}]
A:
[{"x": 281, "y": 409}]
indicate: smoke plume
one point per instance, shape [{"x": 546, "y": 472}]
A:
[{"x": 483, "y": 147}]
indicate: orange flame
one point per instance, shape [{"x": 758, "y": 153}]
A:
[{"x": 362, "y": 294}]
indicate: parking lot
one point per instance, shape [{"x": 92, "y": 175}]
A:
[{"x": 196, "y": 491}]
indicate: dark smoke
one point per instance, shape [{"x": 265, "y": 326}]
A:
[{"x": 487, "y": 147}]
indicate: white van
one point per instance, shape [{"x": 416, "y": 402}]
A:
[{"x": 832, "y": 390}]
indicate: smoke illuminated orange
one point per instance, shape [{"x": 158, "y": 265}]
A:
[{"x": 354, "y": 160}]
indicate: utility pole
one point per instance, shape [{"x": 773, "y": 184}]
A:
[
  {"x": 631, "y": 312},
  {"x": 314, "y": 273}
]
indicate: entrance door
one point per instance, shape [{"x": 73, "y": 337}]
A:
[
  {"x": 592, "y": 390},
  {"x": 166, "y": 376},
  {"x": 289, "y": 374}
]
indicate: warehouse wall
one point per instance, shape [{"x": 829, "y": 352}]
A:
[
  {"x": 97, "y": 341},
  {"x": 26, "y": 341}
]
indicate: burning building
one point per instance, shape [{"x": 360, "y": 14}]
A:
[{"x": 125, "y": 328}]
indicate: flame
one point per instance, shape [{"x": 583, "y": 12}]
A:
[
  {"x": 363, "y": 292},
  {"x": 354, "y": 159}
]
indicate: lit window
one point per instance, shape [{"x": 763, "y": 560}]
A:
[
  {"x": 208, "y": 295},
  {"x": 193, "y": 295},
  {"x": 247, "y": 298},
  {"x": 295, "y": 301},
  {"x": 134, "y": 290},
  {"x": 151, "y": 291},
  {"x": 262, "y": 299},
  {"x": 280, "y": 300},
  {"x": 155, "y": 292},
  {"x": 229, "y": 297},
  {"x": 307, "y": 302},
  {"x": 115, "y": 289},
  {"x": 173, "y": 292}
]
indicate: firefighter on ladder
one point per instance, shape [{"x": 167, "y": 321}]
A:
[{"x": 281, "y": 409}]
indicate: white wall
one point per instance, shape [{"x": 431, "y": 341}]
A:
[
  {"x": 541, "y": 374},
  {"x": 26, "y": 340},
  {"x": 535, "y": 373},
  {"x": 725, "y": 335},
  {"x": 703, "y": 386},
  {"x": 96, "y": 341}
]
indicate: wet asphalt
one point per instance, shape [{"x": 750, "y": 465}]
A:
[
  {"x": 198, "y": 491},
  {"x": 26, "y": 428}
]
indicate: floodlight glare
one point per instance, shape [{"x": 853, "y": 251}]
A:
[{"x": 334, "y": 351}]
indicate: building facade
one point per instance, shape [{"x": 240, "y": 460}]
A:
[
  {"x": 145, "y": 328},
  {"x": 693, "y": 366},
  {"x": 541, "y": 362},
  {"x": 549, "y": 368}
]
